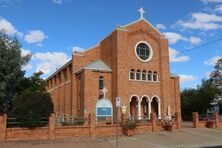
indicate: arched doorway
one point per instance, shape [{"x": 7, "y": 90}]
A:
[
  {"x": 154, "y": 106},
  {"x": 144, "y": 107},
  {"x": 134, "y": 106}
]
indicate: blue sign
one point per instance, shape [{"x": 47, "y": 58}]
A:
[
  {"x": 104, "y": 112},
  {"x": 104, "y": 108}
]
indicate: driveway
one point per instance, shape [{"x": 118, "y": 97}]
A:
[{"x": 184, "y": 138}]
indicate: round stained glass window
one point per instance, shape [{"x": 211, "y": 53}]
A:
[{"x": 143, "y": 52}]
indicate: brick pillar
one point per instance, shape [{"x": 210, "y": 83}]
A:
[
  {"x": 52, "y": 127},
  {"x": 154, "y": 123},
  {"x": 3, "y": 122},
  {"x": 92, "y": 124},
  {"x": 195, "y": 119},
  {"x": 178, "y": 120},
  {"x": 216, "y": 119},
  {"x": 124, "y": 118}
]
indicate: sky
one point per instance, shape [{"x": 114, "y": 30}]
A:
[{"x": 51, "y": 30}]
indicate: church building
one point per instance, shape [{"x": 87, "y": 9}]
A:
[{"x": 132, "y": 63}]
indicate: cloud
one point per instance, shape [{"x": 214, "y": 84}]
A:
[
  {"x": 161, "y": 26},
  {"x": 194, "y": 40},
  {"x": 175, "y": 37},
  {"x": 25, "y": 52},
  {"x": 35, "y": 36},
  {"x": 27, "y": 67},
  {"x": 202, "y": 21},
  {"x": 173, "y": 55},
  {"x": 8, "y": 28},
  {"x": 212, "y": 61},
  {"x": 57, "y": 1},
  {"x": 77, "y": 49},
  {"x": 211, "y": 1},
  {"x": 218, "y": 8},
  {"x": 50, "y": 61},
  {"x": 186, "y": 78}
]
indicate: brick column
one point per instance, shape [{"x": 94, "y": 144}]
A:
[
  {"x": 52, "y": 127},
  {"x": 216, "y": 119},
  {"x": 154, "y": 123},
  {"x": 3, "y": 122},
  {"x": 195, "y": 119},
  {"x": 92, "y": 124},
  {"x": 178, "y": 120}
]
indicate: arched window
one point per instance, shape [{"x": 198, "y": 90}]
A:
[
  {"x": 155, "y": 77},
  {"x": 138, "y": 75},
  {"x": 149, "y": 75},
  {"x": 101, "y": 82},
  {"x": 144, "y": 75},
  {"x": 132, "y": 74}
]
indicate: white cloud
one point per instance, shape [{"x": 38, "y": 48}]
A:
[
  {"x": 202, "y": 21},
  {"x": 218, "y": 8},
  {"x": 161, "y": 26},
  {"x": 211, "y": 1},
  {"x": 24, "y": 52},
  {"x": 57, "y": 1},
  {"x": 186, "y": 78},
  {"x": 50, "y": 61},
  {"x": 207, "y": 75},
  {"x": 77, "y": 49},
  {"x": 35, "y": 36},
  {"x": 8, "y": 28},
  {"x": 173, "y": 55},
  {"x": 175, "y": 37},
  {"x": 194, "y": 40},
  {"x": 212, "y": 61},
  {"x": 27, "y": 67}
]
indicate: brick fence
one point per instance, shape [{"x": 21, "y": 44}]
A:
[
  {"x": 52, "y": 131},
  {"x": 197, "y": 123}
]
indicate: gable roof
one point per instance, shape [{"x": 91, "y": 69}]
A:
[
  {"x": 173, "y": 75},
  {"x": 98, "y": 65},
  {"x": 134, "y": 22}
]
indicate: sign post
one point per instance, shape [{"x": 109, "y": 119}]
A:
[{"x": 117, "y": 109}]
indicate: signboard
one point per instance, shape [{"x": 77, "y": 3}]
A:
[
  {"x": 118, "y": 102},
  {"x": 104, "y": 108}
]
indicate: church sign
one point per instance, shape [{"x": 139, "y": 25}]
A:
[{"x": 104, "y": 108}]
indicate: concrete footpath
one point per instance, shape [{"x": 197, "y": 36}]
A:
[{"x": 184, "y": 138}]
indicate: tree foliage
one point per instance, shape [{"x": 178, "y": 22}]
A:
[
  {"x": 32, "y": 84},
  {"x": 31, "y": 107},
  {"x": 11, "y": 73},
  {"x": 216, "y": 75},
  {"x": 199, "y": 99}
]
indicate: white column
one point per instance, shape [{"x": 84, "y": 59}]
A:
[
  {"x": 139, "y": 110},
  {"x": 159, "y": 110},
  {"x": 149, "y": 109}
]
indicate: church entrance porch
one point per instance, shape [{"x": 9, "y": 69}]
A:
[{"x": 134, "y": 107}]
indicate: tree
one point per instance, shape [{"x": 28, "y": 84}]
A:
[
  {"x": 32, "y": 84},
  {"x": 216, "y": 75},
  {"x": 11, "y": 73},
  {"x": 31, "y": 107}
]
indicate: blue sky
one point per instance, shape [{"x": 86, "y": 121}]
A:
[{"x": 52, "y": 29}]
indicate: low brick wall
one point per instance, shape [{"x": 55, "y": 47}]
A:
[
  {"x": 57, "y": 132},
  {"x": 203, "y": 123}
]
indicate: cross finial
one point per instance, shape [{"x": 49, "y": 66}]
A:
[
  {"x": 104, "y": 90},
  {"x": 141, "y": 11}
]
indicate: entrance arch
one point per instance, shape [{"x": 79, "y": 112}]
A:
[
  {"x": 155, "y": 106},
  {"x": 145, "y": 108},
  {"x": 134, "y": 101}
]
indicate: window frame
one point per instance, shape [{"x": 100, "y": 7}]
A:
[{"x": 149, "y": 48}]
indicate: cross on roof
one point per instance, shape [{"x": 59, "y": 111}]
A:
[{"x": 141, "y": 11}]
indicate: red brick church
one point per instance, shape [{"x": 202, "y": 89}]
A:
[{"x": 132, "y": 62}]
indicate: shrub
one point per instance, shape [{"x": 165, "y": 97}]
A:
[
  {"x": 130, "y": 124},
  {"x": 31, "y": 107}
]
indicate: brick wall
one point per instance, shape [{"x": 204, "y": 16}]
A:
[
  {"x": 197, "y": 123},
  {"x": 56, "y": 132}
]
